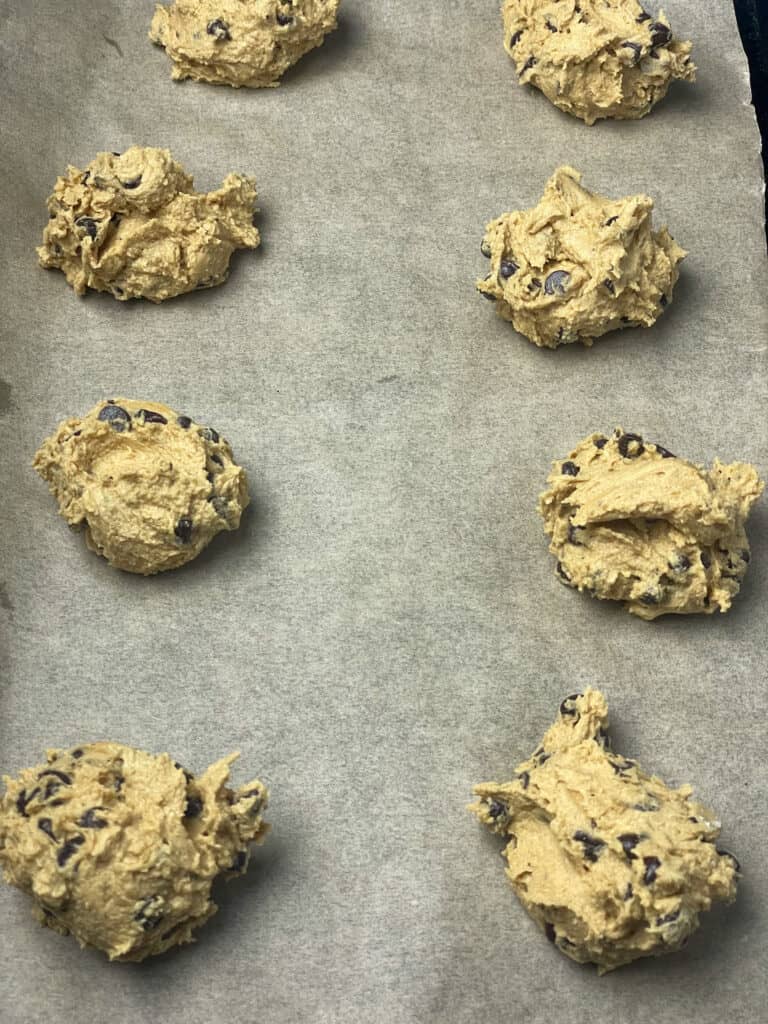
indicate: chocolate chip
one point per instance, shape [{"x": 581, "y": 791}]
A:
[
  {"x": 183, "y": 530},
  {"x": 515, "y": 39},
  {"x": 496, "y": 809},
  {"x": 565, "y": 707},
  {"x": 601, "y": 442},
  {"x": 116, "y": 416},
  {"x": 628, "y": 892},
  {"x": 132, "y": 183},
  {"x": 652, "y": 865},
  {"x": 706, "y": 559},
  {"x": 220, "y": 505},
  {"x": 77, "y": 753},
  {"x": 283, "y": 19},
  {"x": 562, "y": 573},
  {"x": 209, "y": 434},
  {"x": 524, "y": 778},
  {"x": 149, "y": 914},
  {"x": 24, "y": 799},
  {"x": 609, "y": 285},
  {"x": 550, "y": 26},
  {"x": 570, "y": 469},
  {"x": 69, "y": 849},
  {"x": 549, "y": 931},
  {"x": 89, "y": 820},
  {"x": 636, "y": 49},
  {"x": 660, "y": 33},
  {"x": 148, "y": 416},
  {"x": 85, "y": 177},
  {"x": 643, "y": 16},
  {"x": 649, "y": 598},
  {"x": 543, "y": 758},
  {"x": 194, "y": 807},
  {"x": 485, "y": 249},
  {"x": 61, "y": 776},
  {"x": 507, "y": 268},
  {"x": 668, "y": 918},
  {"x": 217, "y": 459},
  {"x": 611, "y": 220},
  {"x": 663, "y": 452},
  {"x": 534, "y": 284},
  {"x": 46, "y": 825},
  {"x": 593, "y": 847},
  {"x": 241, "y": 859},
  {"x": 184, "y": 422},
  {"x": 531, "y": 62},
  {"x": 631, "y": 446},
  {"x": 727, "y": 853},
  {"x": 219, "y": 29},
  {"x": 629, "y": 841},
  {"x": 88, "y": 226},
  {"x": 573, "y": 535},
  {"x": 680, "y": 563},
  {"x": 557, "y": 282}
]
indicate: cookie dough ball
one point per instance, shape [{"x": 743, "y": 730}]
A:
[
  {"x": 610, "y": 862},
  {"x": 240, "y": 42},
  {"x": 150, "y": 488},
  {"x": 629, "y": 521},
  {"x": 131, "y": 224},
  {"x": 595, "y": 59},
  {"x": 578, "y": 265},
  {"x": 120, "y": 848}
]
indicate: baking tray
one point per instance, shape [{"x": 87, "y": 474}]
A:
[{"x": 386, "y": 629}]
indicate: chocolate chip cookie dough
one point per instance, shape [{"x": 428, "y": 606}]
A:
[
  {"x": 240, "y": 42},
  {"x": 151, "y": 488},
  {"x": 611, "y": 863},
  {"x": 578, "y": 264},
  {"x": 120, "y": 848},
  {"x": 595, "y": 59},
  {"x": 131, "y": 224},
  {"x": 629, "y": 521}
]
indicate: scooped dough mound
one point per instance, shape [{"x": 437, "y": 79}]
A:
[
  {"x": 150, "y": 487},
  {"x": 240, "y": 42},
  {"x": 131, "y": 224},
  {"x": 629, "y": 521},
  {"x": 610, "y": 862},
  {"x": 120, "y": 848},
  {"x": 595, "y": 59},
  {"x": 578, "y": 265}
]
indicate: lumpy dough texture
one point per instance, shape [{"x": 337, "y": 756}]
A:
[
  {"x": 578, "y": 265},
  {"x": 120, "y": 848},
  {"x": 610, "y": 862},
  {"x": 240, "y": 42},
  {"x": 131, "y": 224},
  {"x": 151, "y": 488},
  {"x": 629, "y": 521},
  {"x": 595, "y": 58}
]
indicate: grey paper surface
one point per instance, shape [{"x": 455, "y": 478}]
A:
[{"x": 386, "y": 629}]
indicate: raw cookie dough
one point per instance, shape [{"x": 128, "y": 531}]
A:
[
  {"x": 120, "y": 848},
  {"x": 611, "y": 863},
  {"x": 595, "y": 59},
  {"x": 240, "y": 42},
  {"x": 150, "y": 487},
  {"x": 131, "y": 224},
  {"x": 578, "y": 265},
  {"x": 631, "y": 522}
]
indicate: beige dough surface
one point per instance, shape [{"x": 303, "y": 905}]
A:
[
  {"x": 131, "y": 224},
  {"x": 151, "y": 488},
  {"x": 240, "y": 42},
  {"x": 593, "y": 58},
  {"x": 630, "y": 522},
  {"x": 578, "y": 265},
  {"x": 609, "y": 861},
  {"x": 120, "y": 848}
]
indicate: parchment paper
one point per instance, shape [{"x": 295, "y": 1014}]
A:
[{"x": 387, "y": 628}]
